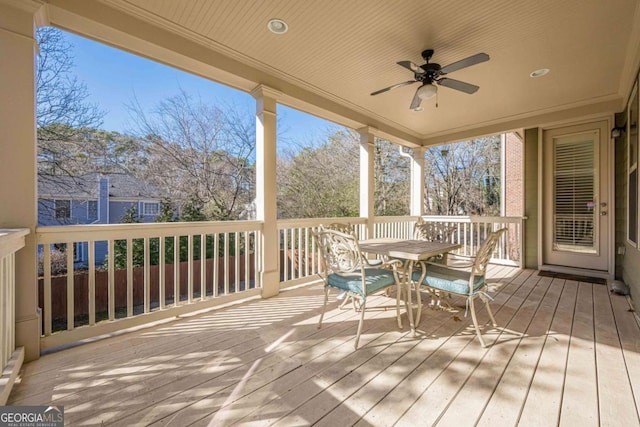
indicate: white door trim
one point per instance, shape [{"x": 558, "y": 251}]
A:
[{"x": 610, "y": 148}]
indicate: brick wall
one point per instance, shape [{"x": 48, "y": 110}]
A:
[{"x": 514, "y": 180}]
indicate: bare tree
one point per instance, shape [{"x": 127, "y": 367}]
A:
[
  {"x": 62, "y": 110},
  {"x": 199, "y": 151},
  {"x": 392, "y": 180},
  {"x": 463, "y": 178}
]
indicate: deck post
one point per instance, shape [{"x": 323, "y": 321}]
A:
[
  {"x": 367, "y": 144},
  {"x": 417, "y": 182},
  {"x": 18, "y": 160},
  {"x": 266, "y": 208}
]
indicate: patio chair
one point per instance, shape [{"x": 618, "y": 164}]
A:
[
  {"x": 347, "y": 269},
  {"x": 433, "y": 231},
  {"x": 348, "y": 229},
  {"x": 341, "y": 227},
  {"x": 463, "y": 278}
]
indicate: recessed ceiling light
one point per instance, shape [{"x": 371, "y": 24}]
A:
[
  {"x": 277, "y": 26},
  {"x": 539, "y": 73}
]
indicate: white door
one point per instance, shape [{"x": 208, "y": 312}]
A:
[{"x": 576, "y": 197}]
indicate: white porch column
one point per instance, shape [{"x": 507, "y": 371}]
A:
[
  {"x": 18, "y": 195},
  {"x": 367, "y": 183},
  {"x": 266, "y": 207},
  {"x": 417, "y": 182}
]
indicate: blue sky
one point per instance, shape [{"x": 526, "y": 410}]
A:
[{"x": 113, "y": 77}]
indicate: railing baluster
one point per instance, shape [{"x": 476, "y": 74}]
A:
[
  {"x": 92, "y": 281},
  {"x": 71, "y": 312},
  {"x": 147, "y": 275},
  {"x": 176, "y": 270},
  {"x": 299, "y": 250},
  {"x": 46, "y": 259},
  {"x": 129, "y": 277},
  {"x": 285, "y": 254},
  {"x": 306, "y": 251},
  {"x": 314, "y": 260},
  {"x": 236, "y": 273},
  {"x": 111, "y": 288},
  {"x": 216, "y": 262},
  {"x": 162, "y": 273},
  {"x": 246, "y": 260},
  {"x": 225, "y": 263},
  {"x": 190, "y": 268},
  {"x": 203, "y": 267}
]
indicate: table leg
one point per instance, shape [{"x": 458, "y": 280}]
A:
[{"x": 408, "y": 268}]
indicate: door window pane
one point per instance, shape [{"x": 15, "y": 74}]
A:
[{"x": 575, "y": 198}]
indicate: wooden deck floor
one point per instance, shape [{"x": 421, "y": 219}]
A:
[{"x": 568, "y": 354}]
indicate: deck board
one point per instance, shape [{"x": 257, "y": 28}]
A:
[
  {"x": 544, "y": 397},
  {"x": 264, "y": 362},
  {"x": 511, "y": 386},
  {"x": 615, "y": 408},
  {"x": 515, "y": 315},
  {"x": 580, "y": 394},
  {"x": 629, "y": 333}
]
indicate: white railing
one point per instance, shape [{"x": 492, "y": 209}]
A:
[
  {"x": 299, "y": 257},
  {"x": 126, "y": 274},
  {"x": 396, "y": 227},
  {"x": 11, "y": 241},
  {"x": 300, "y": 262},
  {"x": 470, "y": 232}
]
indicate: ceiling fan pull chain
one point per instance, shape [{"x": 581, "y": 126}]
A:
[{"x": 436, "y": 99}]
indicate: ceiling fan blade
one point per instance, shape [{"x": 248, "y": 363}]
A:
[
  {"x": 415, "y": 103},
  {"x": 393, "y": 87},
  {"x": 464, "y": 63},
  {"x": 411, "y": 66},
  {"x": 458, "y": 85}
]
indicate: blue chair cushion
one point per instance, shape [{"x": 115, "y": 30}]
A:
[
  {"x": 376, "y": 279},
  {"x": 449, "y": 280}
]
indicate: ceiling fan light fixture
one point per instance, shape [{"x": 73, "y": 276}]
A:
[
  {"x": 427, "y": 91},
  {"x": 418, "y": 109},
  {"x": 277, "y": 26},
  {"x": 539, "y": 73}
]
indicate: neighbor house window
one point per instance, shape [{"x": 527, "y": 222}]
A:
[
  {"x": 63, "y": 209},
  {"x": 150, "y": 208},
  {"x": 92, "y": 209},
  {"x": 632, "y": 168},
  {"x": 77, "y": 251}
]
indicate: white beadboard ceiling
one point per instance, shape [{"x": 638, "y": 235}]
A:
[{"x": 342, "y": 50}]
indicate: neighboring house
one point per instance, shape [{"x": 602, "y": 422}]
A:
[{"x": 95, "y": 199}]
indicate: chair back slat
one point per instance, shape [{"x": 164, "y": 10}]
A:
[
  {"x": 341, "y": 227},
  {"x": 433, "y": 231},
  {"x": 340, "y": 251},
  {"x": 485, "y": 252}
]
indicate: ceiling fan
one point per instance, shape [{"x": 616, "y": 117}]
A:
[{"x": 430, "y": 73}]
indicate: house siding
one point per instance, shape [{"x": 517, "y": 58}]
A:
[
  {"x": 79, "y": 211},
  {"x": 109, "y": 211},
  {"x": 117, "y": 209},
  {"x": 531, "y": 198},
  {"x": 627, "y": 265}
]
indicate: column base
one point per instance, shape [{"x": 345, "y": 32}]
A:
[
  {"x": 28, "y": 334},
  {"x": 270, "y": 283}
]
